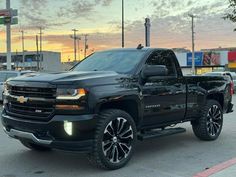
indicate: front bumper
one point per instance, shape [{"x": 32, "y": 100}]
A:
[{"x": 52, "y": 134}]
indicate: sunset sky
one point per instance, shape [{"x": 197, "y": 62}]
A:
[{"x": 101, "y": 19}]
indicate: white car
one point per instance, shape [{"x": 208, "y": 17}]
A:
[{"x": 4, "y": 75}]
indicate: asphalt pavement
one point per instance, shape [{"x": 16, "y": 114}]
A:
[{"x": 181, "y": 155}]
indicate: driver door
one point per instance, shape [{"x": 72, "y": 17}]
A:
[{"x": 164, "y": 96}]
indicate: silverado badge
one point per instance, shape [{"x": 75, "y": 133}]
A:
[{"x": 22, "y": 99}]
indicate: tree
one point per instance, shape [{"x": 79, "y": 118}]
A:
[{"x": 231, "y": 15}]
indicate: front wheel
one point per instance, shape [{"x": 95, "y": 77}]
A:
[
  {"x": 115, "y": 140},
  {"x": 208, "y": 127}
]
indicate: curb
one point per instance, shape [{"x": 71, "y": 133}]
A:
[{"x": 217, "y": 168}]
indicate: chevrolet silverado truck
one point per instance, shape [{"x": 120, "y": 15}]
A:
[{"x": 109, "y": 101}]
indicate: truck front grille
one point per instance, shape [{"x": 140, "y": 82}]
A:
[
  {"x": 49, "y": 93},
  {"x": 31, "y": 110}
]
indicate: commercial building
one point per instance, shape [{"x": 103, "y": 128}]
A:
[
  {"x": 208, "y": 60},
  {"x": 50, "y": 61}
]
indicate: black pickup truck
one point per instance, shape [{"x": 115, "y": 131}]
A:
[{"x": 109, "y": 101}]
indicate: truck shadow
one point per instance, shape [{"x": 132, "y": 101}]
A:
[{"x": 64, "y": 163}]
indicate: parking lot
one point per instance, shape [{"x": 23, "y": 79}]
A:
[{"x": 180, "y": 155}]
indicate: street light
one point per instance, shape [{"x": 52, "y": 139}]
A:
[{"x": 123, "y": 31}]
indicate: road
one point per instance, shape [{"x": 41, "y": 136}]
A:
[{"x": 180, "y": 155}]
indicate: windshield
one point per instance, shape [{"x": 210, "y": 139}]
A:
[{"x": 118, "y": 61}]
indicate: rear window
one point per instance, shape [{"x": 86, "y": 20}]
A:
[{"x": 213, "y": 74}]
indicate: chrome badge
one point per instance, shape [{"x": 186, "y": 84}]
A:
[{"x": 22, "y": 99}]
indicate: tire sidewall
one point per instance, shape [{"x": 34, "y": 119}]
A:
[
  {"x": 100, "y": 134},
  {"x": 211, "y": 103}
]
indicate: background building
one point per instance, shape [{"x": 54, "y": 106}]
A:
[
  {"x": 208, "y": 60},
  {"x": 51, "y": 61}
]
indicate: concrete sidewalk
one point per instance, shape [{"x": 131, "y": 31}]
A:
[{"x": 225, "y": 169}]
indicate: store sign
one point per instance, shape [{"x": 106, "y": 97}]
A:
[
  {"x": 6, "y": 20},
  {"x": 232, "y": 59},
  {"x": 28, "y": 59},
  {"x": 198, "y": 59},
  {"x": 211, "y": 59},
  {"x": 5, "y": 12}
]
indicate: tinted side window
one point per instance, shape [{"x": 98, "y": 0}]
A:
[{"x": 165, "y": 58}]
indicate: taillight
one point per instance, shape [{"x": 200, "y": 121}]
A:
[{"x": 231, "y": 88}]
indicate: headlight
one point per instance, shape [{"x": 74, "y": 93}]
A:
[
  {"x": 70, "y": 94},
  {"x": 5, "y": 89}
]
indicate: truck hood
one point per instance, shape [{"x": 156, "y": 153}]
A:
[{"x": 71, "y": 78}]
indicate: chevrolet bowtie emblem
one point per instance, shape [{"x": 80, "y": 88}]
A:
[{"x": 22, "y": 99}]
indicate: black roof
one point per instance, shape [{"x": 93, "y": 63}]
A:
[{"x": 135, "y": 49}]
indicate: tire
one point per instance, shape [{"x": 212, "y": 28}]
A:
[
  {"x": 115, "y": 140},
  {"x": 208, "y": 127},
  {"x": 34, "y": 146}
]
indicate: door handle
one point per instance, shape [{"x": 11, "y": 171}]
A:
[{"x": 178, "y": 85}]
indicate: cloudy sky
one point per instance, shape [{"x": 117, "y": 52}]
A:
[{"x": 171, "y": 26}]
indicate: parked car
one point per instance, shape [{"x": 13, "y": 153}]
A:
[
  {"x": 232, "y": 76},
  {"x": 234, "y": 80},
  {"x": 109, "y": 101},
  {"x": 5, "y": 75}
]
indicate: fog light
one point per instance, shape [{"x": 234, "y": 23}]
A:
[
  {"x": 4, "y": 103},
  {"x": 68, "y": 127}
]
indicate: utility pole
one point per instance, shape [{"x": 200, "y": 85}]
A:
[
  {"x": 193, "y": 44},
  {"x": 78, "y": 38},
  {"x": 23, "y": 47},
  {"x": 75, "y": 47},
  {"x": 41, "y": 46},
  {"x": 37, "y": 49},
  {"x": 85, "y": 45},
  {"x": 123, "y": 26},
  {"x": 8, "y": 36}
]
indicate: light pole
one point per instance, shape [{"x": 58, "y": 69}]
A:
[
  {"x": 41, "y": 46},
  {"x": 123, "y": 26},
  {"x": 8, "y": 36},
  {"x": 23, "y": 47},
  {"x": 193, "y": 44}
]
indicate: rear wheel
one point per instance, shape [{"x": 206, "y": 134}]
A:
[
  {"x": 209, "y": 126},
  {"x": 34, "y": 146},
  {"x": 115, "y": 140}
]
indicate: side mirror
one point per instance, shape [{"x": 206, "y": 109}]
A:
[{"x": 154, "y": 70}]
